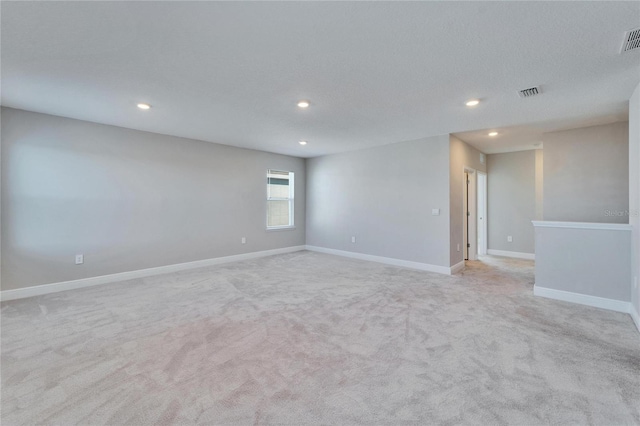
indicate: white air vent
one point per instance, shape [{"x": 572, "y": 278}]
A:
[
  {"x": 631, "y": 40},
  {"x": 531, "y": 91}
]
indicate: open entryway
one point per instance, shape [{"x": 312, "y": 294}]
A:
[
  {"x": 482, "y": 213},
  {"x": 475, "y": 213},
  {"x": 469, "y": 221}
]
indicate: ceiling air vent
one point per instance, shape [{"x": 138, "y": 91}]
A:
[
  {"x": 531, "y": 91},
  {"x": 631, "y": 40}
]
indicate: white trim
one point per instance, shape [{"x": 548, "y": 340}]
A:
[
  {"x": 634, "y": 315},
  {"x": 280, "y": 228},
  {"x": 514, "y": 254},
  {"x": 141, "y": 273},
  {"x": 582, "y": 225},
  {"x": 583, "y": 299},
  {"x": 386, "y": 260},
  {"x": 457, "y": 267}
]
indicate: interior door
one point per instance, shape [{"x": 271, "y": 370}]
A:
[
  {"x": 482, "y": 213},
  {"x": 465, "y": 222},
  {"x": 470, "y": 225}
]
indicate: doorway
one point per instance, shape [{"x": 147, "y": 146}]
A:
[
  {"x": 469, "y": 220},
  {"x": 482, "y": 213}
]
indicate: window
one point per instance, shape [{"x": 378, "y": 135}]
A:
[{"x": 279, "y": 199}]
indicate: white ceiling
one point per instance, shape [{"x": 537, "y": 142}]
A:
[
  {"x": 531, "y": 136},
  {"x": 375, "y": 72}
]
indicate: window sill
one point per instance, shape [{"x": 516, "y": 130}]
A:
[{"x": 281, "y": 228}]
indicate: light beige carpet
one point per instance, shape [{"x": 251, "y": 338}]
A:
[{"x": 308, "y": 338}]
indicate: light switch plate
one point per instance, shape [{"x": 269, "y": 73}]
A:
[{"x": 435, "y": 212}]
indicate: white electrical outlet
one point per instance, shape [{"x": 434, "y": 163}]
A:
[
  {"x": 509, "y": 239},
  {"x": 244, "y": 240},
  {"x": 353, "y": 239},
  {"x": 79, "y": 259}
]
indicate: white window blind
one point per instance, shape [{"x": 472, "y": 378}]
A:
[{"x": 279, "y": 199}]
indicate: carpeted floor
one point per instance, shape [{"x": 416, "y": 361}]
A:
[{"x": 308, "y": 338}]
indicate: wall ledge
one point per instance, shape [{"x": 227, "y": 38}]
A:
[
  {"x": 387, "y": 260},
  {"x": 39, "y": 290},
  {"x": 582, "y": 225}
]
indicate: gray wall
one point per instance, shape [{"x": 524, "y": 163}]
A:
[
  {"x": 634, "y": 195},
  {"x": 383, "y": 196},
  {"x": 586, "y": 174},
  {"x": 539, "y": 184},
  {"x": 127, "y": 199},
  {"x": 594, "y": 262},
  {"x": 511, "y": 187},
  {"x": 461, "y": 155}
]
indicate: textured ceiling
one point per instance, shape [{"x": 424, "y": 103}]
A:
[{"x": 375, "y": 72}]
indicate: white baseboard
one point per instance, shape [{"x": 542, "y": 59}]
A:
[
  {"x": 515, "y": 254},
  {"x": 386, "y": 260},
  {"x": 634, "y": 315},
  {"x": 457, "y": 267},
  {"x": 583, "y": 299},
  {"x": 141, "y": 273}
]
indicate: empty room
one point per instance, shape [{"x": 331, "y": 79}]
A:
[{"x": 313, "y": 213}]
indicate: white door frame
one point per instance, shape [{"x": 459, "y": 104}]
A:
[
  {"x": 470, "y": 246},
  {"x": 482, "y": 213}
]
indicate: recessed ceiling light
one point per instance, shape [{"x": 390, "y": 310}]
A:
[
  {"x": 472, "y": 102},
  {"x": 303, "y": 104},
  {"x": 144, "y": 106},
  {"x": 493, "y": 133},
  {"x": 302, "y": 142}
]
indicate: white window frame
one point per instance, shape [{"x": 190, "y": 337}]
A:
[{"x": 290, "y": 199}]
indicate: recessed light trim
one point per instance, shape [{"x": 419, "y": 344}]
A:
[
  {"x": 472, "y": 102},
  {"x": 304, "y": 104},
  {"x": 144, "y": 106},
  {"x": 493, "y": 134},
  {"x": 302, "y": 142}
]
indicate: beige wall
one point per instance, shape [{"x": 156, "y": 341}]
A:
[
  {"x": 128, "y": 199},
  {"x": 586, "y": 174},
  {"x": 461, "y": 155}
]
